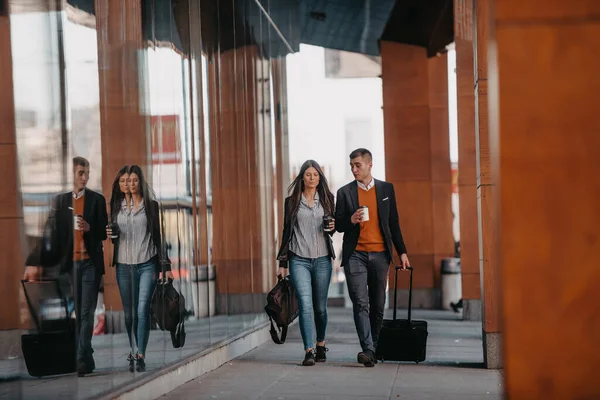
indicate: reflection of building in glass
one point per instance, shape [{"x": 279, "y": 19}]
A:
[
  {"x": 345, "y": 64},
  {"x": 207, "y": 124}
]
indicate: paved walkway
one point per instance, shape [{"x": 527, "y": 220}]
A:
[{"x": 453, "y": 369}]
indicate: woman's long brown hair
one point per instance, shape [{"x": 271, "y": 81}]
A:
[
  {"x": 297, "y": 187},
  {"x": 117, "y": 196},
  {"x": 148, "y": 197}
]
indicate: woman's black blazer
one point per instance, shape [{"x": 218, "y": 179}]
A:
[{"x": 288, "y": 232}]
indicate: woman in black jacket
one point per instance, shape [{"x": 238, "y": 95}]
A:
[
  {"x": 306, "y": 246},
  {"x": 138, "y": 254}
]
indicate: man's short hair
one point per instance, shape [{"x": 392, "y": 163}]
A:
[
  {"x": 80, "y": 162},
  {"x": 361, "y": 153}
]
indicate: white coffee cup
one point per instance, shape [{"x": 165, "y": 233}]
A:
[
  {"x": 365, "y": 213},
  {"x": 76, "y": 222}
]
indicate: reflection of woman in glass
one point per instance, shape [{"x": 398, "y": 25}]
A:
[
  {"x": 306, "y": 244},
  {"x": 138, "y": 254}
]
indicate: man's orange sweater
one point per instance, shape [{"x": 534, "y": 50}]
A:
[{"x": 370, "y": 239}]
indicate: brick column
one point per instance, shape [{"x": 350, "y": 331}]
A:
[
  {"x": 441, "y": 171},
  {"x": 242, "y": 180},
  {"x": 486, "y": 197},
  {"x": 467, "y": 162},
  {"x": 417, "y": 161},
  {"x": 12, "y": 237},
  {"x": 123, "y": 132},
  {"x": 187, "y": 16},
  {"x": 281, "y": 140},
  {"x": 544, "y": 97}
]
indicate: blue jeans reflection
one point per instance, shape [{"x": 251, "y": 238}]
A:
[{"x": 136, "y": 286}]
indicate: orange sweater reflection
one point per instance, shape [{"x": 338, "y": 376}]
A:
[{"x": 79, "y": 251}]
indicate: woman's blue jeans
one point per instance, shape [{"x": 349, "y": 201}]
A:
[
  {"x": 136, "y": 286},
  {"x": 311, "y": 277}
]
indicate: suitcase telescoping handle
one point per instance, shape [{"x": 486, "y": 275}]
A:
[
  {"x": 36, "y": 318},
  {"x": 399, "y": 267}
]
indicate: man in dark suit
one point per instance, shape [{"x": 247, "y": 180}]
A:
[
  {"x": 369, "y": 233},
  {"x": 72, "y": 242}
]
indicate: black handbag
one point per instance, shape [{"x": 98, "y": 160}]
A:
[
  {"x": 167, "y": 305},
  {"x": 52, "y": 349},
  {"x": 282, "y": 307},
  {"x": 168, "y": 309}
]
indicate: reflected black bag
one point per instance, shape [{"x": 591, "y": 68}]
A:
[
  {"x": 51, "y": 252},
  {"x": 178, "y": 335},
  {"x": 52, "y": 350},
  {"x": 282, "y": 306},
  {"x": 402, "y": 339},
  {"x": 168, "y": 308}
]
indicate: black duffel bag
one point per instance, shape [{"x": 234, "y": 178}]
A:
[
  {"x": 282, "y": 307},
  {"x": 168, "y": 306}
]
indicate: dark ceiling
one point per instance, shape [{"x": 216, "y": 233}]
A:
[
  {"x": 351, "y": 25},
  {"x": 279, "y": 26}
]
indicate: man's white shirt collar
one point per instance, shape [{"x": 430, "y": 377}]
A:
[
  {"x": 79, "y": 195},
  {"x": 368, "y": 187}
]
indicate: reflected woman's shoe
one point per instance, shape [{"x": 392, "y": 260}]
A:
[
  {"x": 141, "y": 364},
  {"x": 131, "y": 360}
]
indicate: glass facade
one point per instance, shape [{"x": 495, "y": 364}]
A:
[{"x": 192, "y": 92}]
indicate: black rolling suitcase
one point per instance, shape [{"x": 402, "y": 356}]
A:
[
  {"x": 402, "y": 339},
  {"x": 52, "y": 349}
]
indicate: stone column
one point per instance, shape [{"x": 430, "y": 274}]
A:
[
  {"x": 486, "y": 197},
  {"x": 544, "y": 92},
  {"x": 467, "y": 161},
  {"x": 281, "y": 140},
  {"x": 441, "y": 171},
  {"x": 417, "y": 161},
  {"x": 242, "y": 180},
  {"x": 123, "y": 130},
  {"x": 12, "y": 236}
]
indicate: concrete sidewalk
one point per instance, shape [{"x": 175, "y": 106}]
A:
[{"x": 453, "y": 369}]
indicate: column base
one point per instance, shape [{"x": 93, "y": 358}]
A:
[
  {"x": 421, "y": 298},
  {"x": 492, "y": 350},
  {"x": 115, "y": 322},
  {"x": 472, "y": 310},
  {"x": 10, "y": 344}
]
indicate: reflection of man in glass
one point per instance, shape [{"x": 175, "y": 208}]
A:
[{"x": 72, "y": 241}]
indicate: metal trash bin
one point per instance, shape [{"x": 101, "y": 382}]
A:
[{"x": 451, "y": 282}]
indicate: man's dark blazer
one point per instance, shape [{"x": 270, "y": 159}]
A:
[
  {"x": 55, "y": 248},
  {"x": 347, "y": 204}
]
